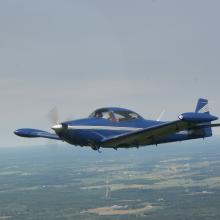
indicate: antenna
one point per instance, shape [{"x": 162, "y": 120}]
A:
[{"x": 161, "y": 115}]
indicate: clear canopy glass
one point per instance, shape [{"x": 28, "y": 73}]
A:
[{"x": 115, "y": 115}]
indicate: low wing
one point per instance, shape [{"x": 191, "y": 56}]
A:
[
  {"x": 33, "y": 133},
  {"x": 147, "y": 135}
]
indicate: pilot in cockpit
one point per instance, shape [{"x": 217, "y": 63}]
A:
[{"x": 98, "y": 115}]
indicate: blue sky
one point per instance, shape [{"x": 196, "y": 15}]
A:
[{"x": 80, "y": 55}]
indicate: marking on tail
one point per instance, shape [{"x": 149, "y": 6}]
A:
[
  {"x": 204, "y": 109},
  {"x": 202, "y": 106}
]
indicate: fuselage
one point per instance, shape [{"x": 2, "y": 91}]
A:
[{"x": 90, "y": 131}]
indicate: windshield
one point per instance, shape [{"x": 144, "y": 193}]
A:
[
  {"x": 125, "y": 115},
  {"x": 115, "y": 116},
  {"x": 102, "y": 113}
]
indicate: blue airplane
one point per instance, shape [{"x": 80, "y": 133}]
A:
[{"x": 122, "y": 128}]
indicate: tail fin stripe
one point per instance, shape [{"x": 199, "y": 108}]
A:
[{"x": 204, "y": 109}]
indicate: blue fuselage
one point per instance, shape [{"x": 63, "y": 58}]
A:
[{"x": 89, "y": 131}]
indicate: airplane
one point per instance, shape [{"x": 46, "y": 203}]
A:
[{"x": 115, "y": 128}]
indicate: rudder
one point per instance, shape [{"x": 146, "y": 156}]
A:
[{"x": 203, "y": 107}]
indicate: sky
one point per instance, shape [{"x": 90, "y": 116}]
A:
[{"x": 79, "y": 55}]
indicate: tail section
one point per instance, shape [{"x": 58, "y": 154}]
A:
[{"x": 202, "y": 107}]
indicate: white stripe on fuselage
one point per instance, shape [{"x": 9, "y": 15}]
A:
[{"x": 112, "y": 128}]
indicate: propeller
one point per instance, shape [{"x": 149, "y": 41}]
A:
[
  {"x": 53, "y": 117},
  {"x": 59, "y": 127}
]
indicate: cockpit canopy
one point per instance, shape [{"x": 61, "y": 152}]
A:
[{"x": 115, "y": 114}]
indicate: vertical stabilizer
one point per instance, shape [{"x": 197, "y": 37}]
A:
[{"x": 203, "y": 107}]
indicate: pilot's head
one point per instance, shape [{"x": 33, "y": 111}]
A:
[{"x": 98, "y": 115}]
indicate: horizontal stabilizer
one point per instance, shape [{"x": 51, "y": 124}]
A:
[
  {"x": 208, "y": 125},
  {"x": 215, "y": 125}
]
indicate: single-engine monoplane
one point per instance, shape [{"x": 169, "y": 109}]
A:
[{"x": 115, "y": 128}]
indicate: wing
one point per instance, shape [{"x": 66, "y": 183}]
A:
[
  {"x": 33, "y": 133},
  {"x": 147, "y": 135}
]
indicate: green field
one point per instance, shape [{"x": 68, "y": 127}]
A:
[{"x": 169, "y": 182}]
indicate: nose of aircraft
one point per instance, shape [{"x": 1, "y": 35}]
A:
[{"x": 57, "y": 127}]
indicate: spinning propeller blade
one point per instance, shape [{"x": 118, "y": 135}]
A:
[{"x": 53, "y": 116}]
